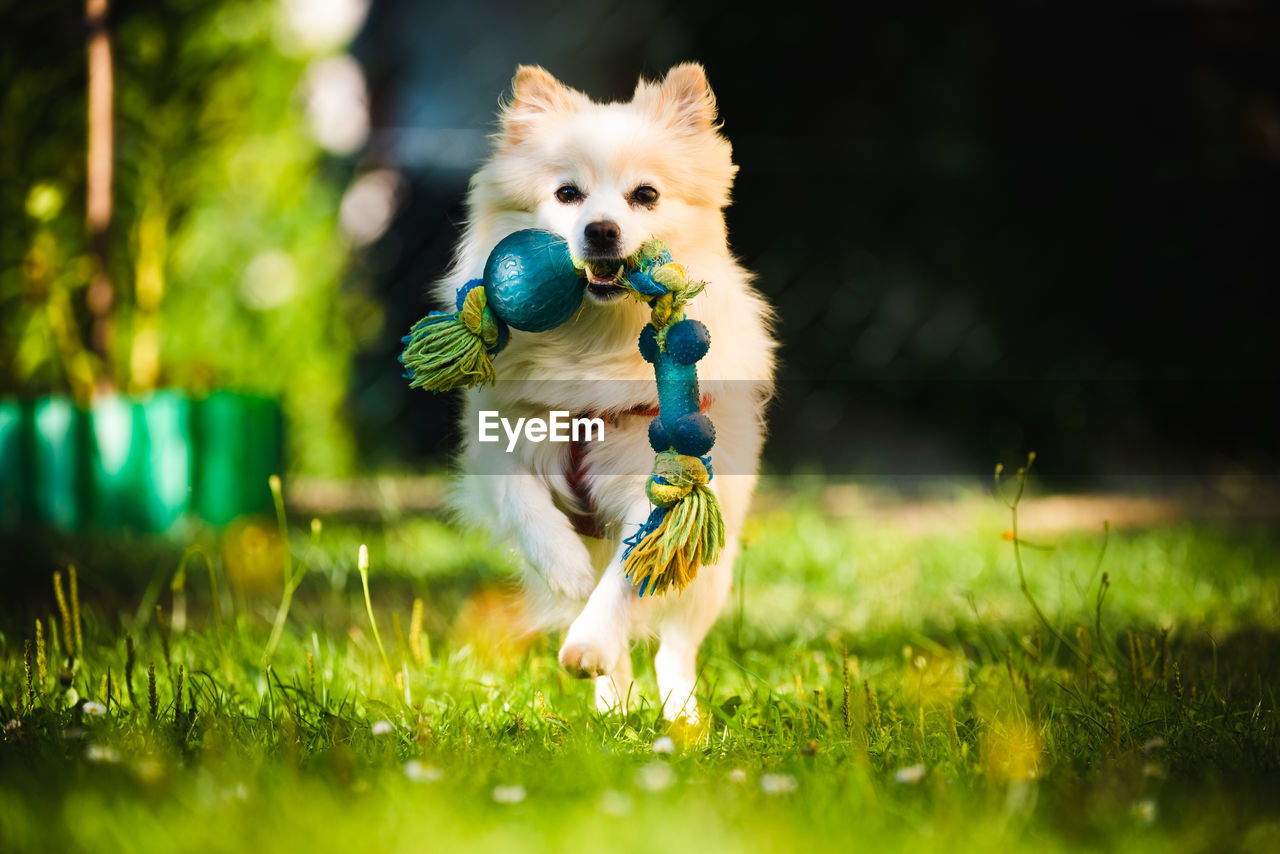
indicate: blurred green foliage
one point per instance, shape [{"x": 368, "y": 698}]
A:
[{"x": 223, "y": 248}]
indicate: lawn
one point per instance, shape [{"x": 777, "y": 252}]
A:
[{"x": 880, "y": 679}]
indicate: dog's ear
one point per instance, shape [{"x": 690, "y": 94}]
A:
[
  {"x": 685, "y": 98},
  {"x": 535, "y": 92}
]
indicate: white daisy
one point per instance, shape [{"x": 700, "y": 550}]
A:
[
  {"x": 910, "y": 773},
  {"x": 509, "y": 794},
  {"x": 416, "y": 771},
  {"x": 655, "y": 776},
  {"x": 778, "y": 784}
]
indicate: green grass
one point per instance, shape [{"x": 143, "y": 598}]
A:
[{"x": 957, "y": 721}]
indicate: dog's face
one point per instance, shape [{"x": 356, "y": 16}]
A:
[{"x": 607, "y": 177}]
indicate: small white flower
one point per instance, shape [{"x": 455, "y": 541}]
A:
[
  {"x": 778, "y": 784},
  {"x": 1152, "y": 744},
  {"x": 664, "y": 744},
  {"x": 910, "y": 774},
  {"x": 94, "y": 708},
  {"x": 381, "y": 728},
  {"x": 1145, "y": 810},
  {"x": 613, "y": 802},
  {"x": 655, "y": 776},
  {"x": 420, "y": 773},
  {"x": 737, "y": 775},
  {"x": 12, "y": 725},
  {"x": 98, "y": 753},
  {"x": 509, "y": 794}
]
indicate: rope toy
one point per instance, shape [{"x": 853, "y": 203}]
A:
[{"x": 532, "y": 283}]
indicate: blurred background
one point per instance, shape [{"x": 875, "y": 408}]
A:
[{"x": 1026, "y": 226}]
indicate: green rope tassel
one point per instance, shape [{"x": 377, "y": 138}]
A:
[
  {"x": 444, "y": 351},
  {"x": 685, "y": 530}
]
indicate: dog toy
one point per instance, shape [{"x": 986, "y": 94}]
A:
[{"x": 532, "y": 283}]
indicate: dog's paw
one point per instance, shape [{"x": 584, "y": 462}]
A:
[
  {"x": 584, "y": 660},
  {"x": 612, "y": 695},
  {"x": 572, "y": 580},
  {"x": 680, "y": 705},
  {"x": 585, "y": 656}
]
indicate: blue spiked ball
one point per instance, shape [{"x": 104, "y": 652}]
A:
[
  {"x": 688, "y": 341},
  {"x": 649, "y": 343},
  {"x": 658, "y": 439},
  {"x": 692, "y": 435},
  {"x": 530, "y": 281}
]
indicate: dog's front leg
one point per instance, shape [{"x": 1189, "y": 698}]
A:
[
  {"x": 498, "y": 491},
  {"x": 681, "y": 628},
  {"x": 597, "y": 643},
  {"x": 544, "y": 535}
]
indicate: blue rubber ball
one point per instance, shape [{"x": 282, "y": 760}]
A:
[
  {"x": 692, "y": 435},
  {"x": 649, "y": 342},
  {"x": 530, "y": 281},
  {"x": 688, "y": 341},
  {"x": 658, "y": 439}
]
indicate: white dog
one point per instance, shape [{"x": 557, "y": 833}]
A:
[{"x": 607, "y": 177}]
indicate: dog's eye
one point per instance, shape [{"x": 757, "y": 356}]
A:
[
  {"x": 644, "y": 195},
  {"x": 569, "y": 195}
]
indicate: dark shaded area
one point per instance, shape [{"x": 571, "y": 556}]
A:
[{"x": 1026, "y": 226}]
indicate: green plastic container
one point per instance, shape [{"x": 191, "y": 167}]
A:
[
  {"x": 12, "y": 461},
  {"x": 142, "y": 463},
  {"x": 56, "y": 490},
  {"x": 139, "y": 461},
  {"x": 239, "y": 440}
]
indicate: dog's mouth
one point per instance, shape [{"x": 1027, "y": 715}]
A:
[{"x": 602, "y": 279}]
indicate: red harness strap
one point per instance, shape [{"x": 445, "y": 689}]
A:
[{"x": 587, "y": 524}]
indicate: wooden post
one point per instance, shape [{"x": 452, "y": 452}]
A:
[{"x": 100, "y": 159}]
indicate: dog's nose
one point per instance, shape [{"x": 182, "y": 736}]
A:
[{"x": 602, "y": 236}]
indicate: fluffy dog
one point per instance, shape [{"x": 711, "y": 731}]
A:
[{"x": 607, "y": 177}]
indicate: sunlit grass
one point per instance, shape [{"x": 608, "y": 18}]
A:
[{"x": 879, "y": 678}]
